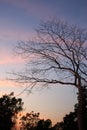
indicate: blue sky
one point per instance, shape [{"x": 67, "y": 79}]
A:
[{"x": 18, "y": 20}]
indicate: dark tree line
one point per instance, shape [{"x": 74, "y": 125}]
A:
[{"x": 10, "y": 106}]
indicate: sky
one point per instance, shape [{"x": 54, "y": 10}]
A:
[{"x": 18, "y": 21}]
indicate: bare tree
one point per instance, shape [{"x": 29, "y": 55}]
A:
[{"x": 59, "y": 56}]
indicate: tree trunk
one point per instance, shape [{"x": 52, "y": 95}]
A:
[{"x": 80, "y": 114}]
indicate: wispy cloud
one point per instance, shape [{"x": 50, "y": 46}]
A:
[
  {"x": 9, "y": 34},
  {"x": 9, "y": 60},
  {"x": 7, "y": 57},
  {"x": 6, "y": 83}
]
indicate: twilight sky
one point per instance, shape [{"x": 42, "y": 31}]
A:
[{"x": 18, "y": 19}]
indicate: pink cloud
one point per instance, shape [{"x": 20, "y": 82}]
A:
[
  {"x": 6, "y": 83},
  {"x": 9, "y": 60},
  {"x": 6, "y": 58},
  {"x": 11, "y": 34},
  {"x": 7, "y": 55}
]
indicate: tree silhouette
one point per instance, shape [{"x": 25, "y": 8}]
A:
[
  {"x": 85, "y": 105},
  {"x": 70, "y": 120},
  {"x": 29, "y": 121},
  {"x": 44, "y": 124},
  {"x": 47, "y": 124},
  {"x": 59, "y": 56},
  {"x": 9, "y": 108}
]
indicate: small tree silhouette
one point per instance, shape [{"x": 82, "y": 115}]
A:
[
  {"x": 29, "y": 121},
  {"x": 44, "y": 124},
  {"x": 9, "y": 108}
]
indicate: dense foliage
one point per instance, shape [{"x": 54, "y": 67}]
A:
[{"x": 9, "y": 108}]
